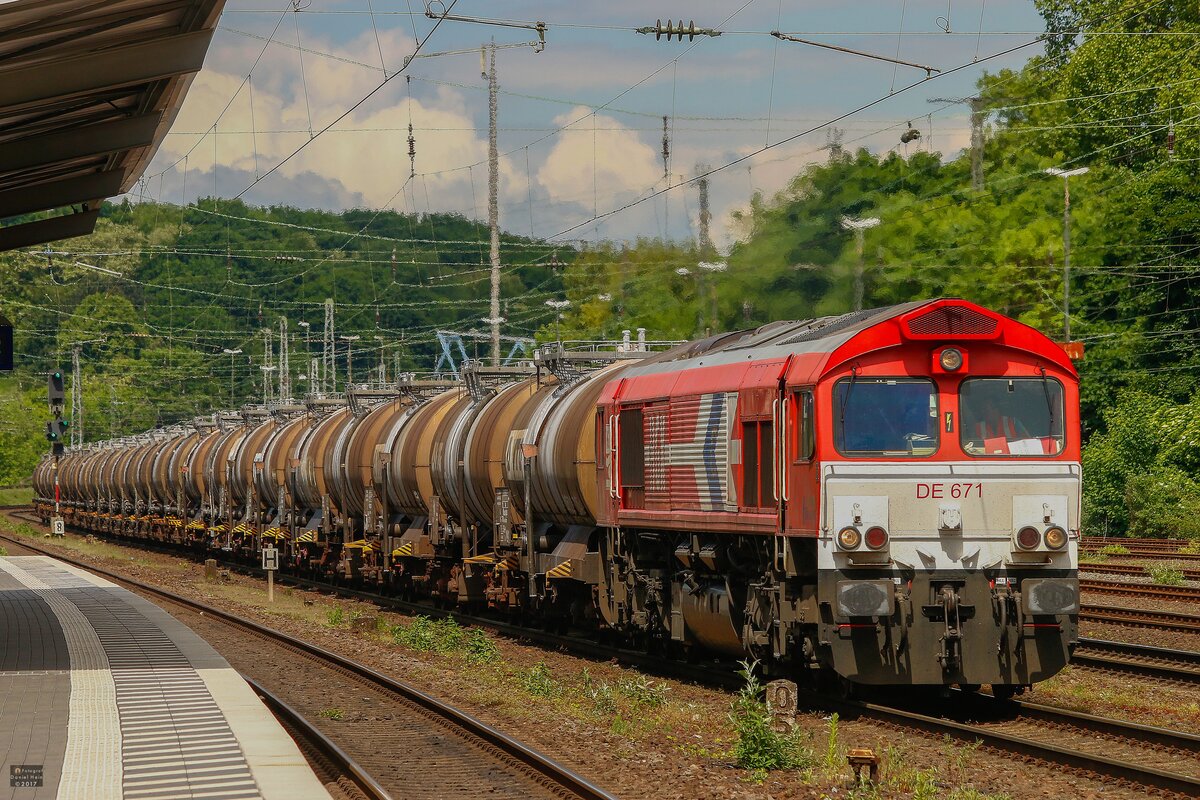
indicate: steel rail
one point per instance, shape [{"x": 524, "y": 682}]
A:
[
  {"x": 1159, "y": 663},
  {"x": 1113, "y": 768},
  {"x": 1130, "y": 569},
  {"x": 362, "y": 780},
  {"x": 549, "y": 769},
  {"x": 1141, "y": 617},
  {"x": 1125, "y": 589},
  {"x": 1101, "y": 765}
]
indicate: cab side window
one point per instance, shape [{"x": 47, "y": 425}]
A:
[
  {"x": 806, "y": 426},
  {"x": 758, "y": 464}
]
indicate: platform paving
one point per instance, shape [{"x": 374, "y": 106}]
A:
[{"x": 105, "y": 696}]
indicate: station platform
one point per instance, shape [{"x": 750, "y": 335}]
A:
[{"x": 105, "y": 696}]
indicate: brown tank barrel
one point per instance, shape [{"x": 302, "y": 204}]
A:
[
  {"x": 67, "y": 476},
  {"x": 41, "y": 486},
  {"x": 360, "y": 459},
  {"x": 342, "y": 494},
  {"x": 410, "y": 489},
  {"x": 84, "y": 489},
  {"x": 279, "y": 454},
  {"x": 105, "y": 480},
  {"x": 563, "y": 427},
  {"x": 197, "y": 485},
  {"x": 160, "y": 469},
  {"x": 216, "y": 465},
  {"x": 485, "y": 448},
  {"x": 177, "y": 474},
  {"x": 444, "y": 471},
  {"x": 247, "y": 460},
  {"x": 309, "y": 483},
  {"x": 155, "y": 469},
  {"x": 121, "y": 488}
]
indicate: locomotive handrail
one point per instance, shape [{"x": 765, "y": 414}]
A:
[
  {"x": 614, "y": 429},
  {"x": 781, "y": 449},
  {"x": 775, "y": 460}
]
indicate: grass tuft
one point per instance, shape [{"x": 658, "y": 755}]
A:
[
  {"x": 759, "y": 747},
  {"x": 332, "y": 713},
  {"x": 539, "y": 682},
  {"x": 447, "y": 637},
  {"x": 1113, "y": 550},
  {"x": 1165, "y": 576}
]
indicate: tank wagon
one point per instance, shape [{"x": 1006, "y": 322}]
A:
[{"x": 891, "y": 496}]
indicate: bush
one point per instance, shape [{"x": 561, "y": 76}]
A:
[
  {"x": 1164, "y": 502},
  {"x": 1165, "y": 576},
  {"x": 759, "y": 747},
  {"x": 447, "y": 637},
  {"x": 600, "y": 694},
  {"x": 643, "y": 692}
]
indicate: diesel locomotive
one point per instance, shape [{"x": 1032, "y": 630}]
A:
[{"x": 891, "y": 496}]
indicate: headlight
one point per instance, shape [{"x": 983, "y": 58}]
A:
[
  {"x": 951, "y": 359},
  {"x": 849, "y": 538},
  {"x": 1028, "y": 538},
  {"x": 876, "y": 538},
  {"x": 1056, "y": 538}
]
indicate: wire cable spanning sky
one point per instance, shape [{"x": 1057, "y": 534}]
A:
[{"x": 574, "y": 118}]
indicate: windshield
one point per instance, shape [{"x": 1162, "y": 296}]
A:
[
  {"x": 1011, "y": 416},
  {"x": 885, "y": 417}
]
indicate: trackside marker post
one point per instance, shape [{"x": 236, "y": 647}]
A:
[{"x": 270, "y": 556}]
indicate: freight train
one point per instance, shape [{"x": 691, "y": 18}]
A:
[{"x": 891, "y": 496}]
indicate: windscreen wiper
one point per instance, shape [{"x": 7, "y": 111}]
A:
[
  {"x": 846, "y": 396},
  {"x": 1049, "y": 404}
]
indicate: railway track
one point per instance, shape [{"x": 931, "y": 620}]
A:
[
  {"x": 1149, "y": 757},
  {"x": 1112, "y": 750},
  {"x": 1130, "y": 569},
  {"x": 399, "y": 733},
  {"x": 332, "y": 764},
  {"x": 1159, "y": 663},
  {"x": 1095, "y": 542},
  {"x": 1141, "y": 618},
  {"x": 1124, "y": 589},
  {"x": 1161, "y": 555}
]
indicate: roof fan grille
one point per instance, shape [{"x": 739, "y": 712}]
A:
[{"x": 952, "y": 321}]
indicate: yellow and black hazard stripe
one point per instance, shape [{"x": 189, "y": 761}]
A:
[
  {"x": 508, "y": 564},
  {"x": 307, "y": 536},
  {"x": 403, "y": 551},
  {"x": 563, "y": 570}
]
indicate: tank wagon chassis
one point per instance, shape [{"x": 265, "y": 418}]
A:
[{"x": 884, "y": 497}]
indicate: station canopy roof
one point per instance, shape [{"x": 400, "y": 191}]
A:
[{"x": 88, "y": 90}]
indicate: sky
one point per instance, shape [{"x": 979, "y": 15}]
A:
[{"x": 580, "y": 123}]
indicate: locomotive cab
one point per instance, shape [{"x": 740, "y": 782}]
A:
[{"x": 949, "y": 478}]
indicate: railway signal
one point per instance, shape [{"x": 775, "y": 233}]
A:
[
  {"x": 56, "y": 392},
  {"x": 56, "y": 430}
]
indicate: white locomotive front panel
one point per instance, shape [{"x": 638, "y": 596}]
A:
[{"x": 949, "y": 569}]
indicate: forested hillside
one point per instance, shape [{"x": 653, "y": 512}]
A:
[
  {"x": 1125, "y": 106},
  {"x": 182, "y": 286}
]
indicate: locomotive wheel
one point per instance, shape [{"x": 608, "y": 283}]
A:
[{"x": 1004, "y": 691}]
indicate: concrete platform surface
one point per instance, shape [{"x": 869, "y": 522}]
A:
[{"x": 105, "y": 696}]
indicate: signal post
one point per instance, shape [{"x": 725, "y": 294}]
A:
[{"x": 55, "y": 431}]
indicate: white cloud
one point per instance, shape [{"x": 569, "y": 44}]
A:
[{"x": 611, "y": 163}]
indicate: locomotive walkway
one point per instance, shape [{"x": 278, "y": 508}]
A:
[{"x": 104, "y": 696}]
